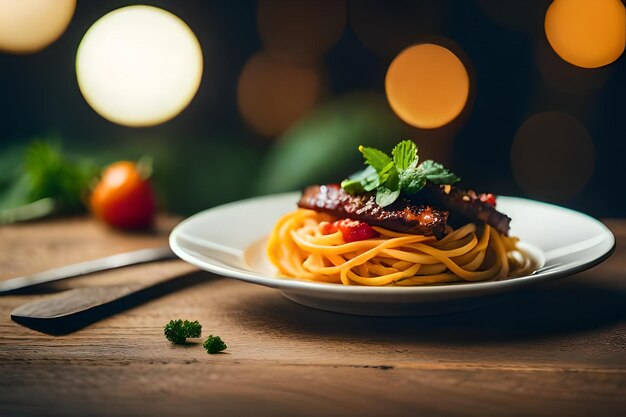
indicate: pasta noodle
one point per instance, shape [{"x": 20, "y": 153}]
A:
[{"x": 298, "y": 248}]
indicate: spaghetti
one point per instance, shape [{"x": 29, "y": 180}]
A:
[{"x": 298, "y": 248}]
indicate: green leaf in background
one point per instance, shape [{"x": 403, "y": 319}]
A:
[
  {"x": 193, "y": 175},
  {"x": 15, "y": 192},
  {"x": 190, "y": 173},
  {"x": 321, "y": 147},
  {"x": 54, "y": 175},
  {"x": 45, "y": 182},
  {"x": 13, "y": 183}
]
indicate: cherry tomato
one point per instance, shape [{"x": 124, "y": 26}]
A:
[{"x": 123, "y": 198}]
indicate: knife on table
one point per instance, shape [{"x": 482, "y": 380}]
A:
[
  {"x": 74, "y": 309},
  {"x": 120, "y": 260}
]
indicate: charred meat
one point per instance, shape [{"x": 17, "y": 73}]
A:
[
  {"x": 401, "y": 216},
  {"x": 465, "y": 205}
]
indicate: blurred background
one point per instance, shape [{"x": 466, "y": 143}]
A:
[{"x": 288, "y": 90}]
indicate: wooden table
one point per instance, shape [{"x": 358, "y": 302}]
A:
[{"x": 557, "y": 349}]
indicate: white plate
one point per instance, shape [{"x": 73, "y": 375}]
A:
[{"x": 229, "y": 240}]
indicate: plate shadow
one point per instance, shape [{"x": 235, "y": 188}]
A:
[{"x": 539, "y": 312}]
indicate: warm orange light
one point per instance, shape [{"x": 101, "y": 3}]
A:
[
  {"x": 273, "y": 94},
  {"x": 301, "y": 31},
  {"x": 427, "y": 86},
  {"x": 552, "y": 156},
  {"x": 587, "y": 33}
]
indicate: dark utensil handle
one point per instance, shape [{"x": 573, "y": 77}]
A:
[{"x": 74, "y": 309}]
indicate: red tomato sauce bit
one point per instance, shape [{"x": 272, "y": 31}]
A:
[
  {"x": 488, "y": 199},
  {"x": 351, "y": 230}
]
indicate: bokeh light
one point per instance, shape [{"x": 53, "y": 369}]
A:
[
  {"x": 435, "y": 144},
  {"x": 427, "y": 85},
  {"x": 273, "y": 94},
  {"x": 514, "y": 14},
  {"x": 568, "y": 78},
  {"x": 301, "y": 31},
  {"x": 139, "y": 66},
  {"x": 27, "y": 26},
  {"x": 319, "y": 147},
  {"x": 587, "y": 33},
  {"x": 552, "y": 156},
  {"x": 388, "y": 30}
]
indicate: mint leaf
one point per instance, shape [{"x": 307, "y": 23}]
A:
[
  {"x": 401, "y": 174},
  {"x": 375, "y": 181},
  {"x": 412, "y": 180},
  {"x": 405, "y": 155},
  {"x": 365, "y": 180},
  {"x": 389, "y": 190},
  {"x": 386, "y": 196},
  {"x": 437, "y": 173},
  {"x": 388, "y": 170},
  {"x": 352, "y": 187},
  {"x": 361, "y": 175},
  {"x": 392, "y": 179},
  {"x": 375, "y": 158},
  {"x": 370, "y": 184}
]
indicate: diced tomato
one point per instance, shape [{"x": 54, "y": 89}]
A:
[
  {"x": 328, "y": 228},
  {"x": 489, "y": 199},
  {"x": 354, "y": 230},
  {"x": 351, "y": 230}
]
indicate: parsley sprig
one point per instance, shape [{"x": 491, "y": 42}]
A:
[
  {"x": 177, "y": 331},
  {"x": 214, "y": 344},
  {"x": 399, "y": 173}
]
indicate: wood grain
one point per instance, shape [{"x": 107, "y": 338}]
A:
[{"x": 556, "y": 349}]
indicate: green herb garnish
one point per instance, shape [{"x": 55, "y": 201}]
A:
[
  {"x": 177, "y": 331},
  {"x": 53, "y": 174},
  {"x": 400, "y": 173},
  {"x": 214, "y": 344},
  {"x": 47, "y": 182}
]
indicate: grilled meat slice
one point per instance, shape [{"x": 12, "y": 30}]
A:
[
  {"x": 464, "y": 204},
  {"x": 401, "y": 216}
]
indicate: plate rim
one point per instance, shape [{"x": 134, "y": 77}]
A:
[{"x": 296, "y": 284}]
